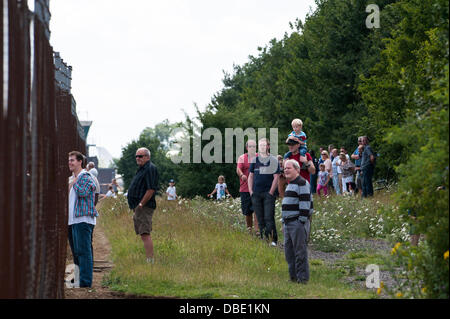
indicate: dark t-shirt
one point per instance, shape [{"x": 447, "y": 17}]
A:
[
  {"x": 263, "y": 170},
  {"x": 146, "y": 178},
  {"x": 365, "y": 160}
]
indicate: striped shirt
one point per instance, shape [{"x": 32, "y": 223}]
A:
[
  {"x": 85, "y": 190},
  {"x": 297, "y": 199}
]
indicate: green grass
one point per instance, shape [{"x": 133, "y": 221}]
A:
[{"x": 201, "y": 251}]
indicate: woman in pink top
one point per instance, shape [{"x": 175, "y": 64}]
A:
[{"x": 242, "y": 170}]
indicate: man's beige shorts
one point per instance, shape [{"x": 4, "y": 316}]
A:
[{"x": 142, "y": 219}]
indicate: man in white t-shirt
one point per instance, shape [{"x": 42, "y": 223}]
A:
[
  {"x": 82, "y": 217},
  {"x": 171, "y": 191}
]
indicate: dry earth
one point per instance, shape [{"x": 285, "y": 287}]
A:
[{"x": 102, "y": 264}]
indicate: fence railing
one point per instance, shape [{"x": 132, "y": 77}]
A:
[{"x": 37, "y": 131}]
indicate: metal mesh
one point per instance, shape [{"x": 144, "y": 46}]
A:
[{"x": 37, "y": 131}]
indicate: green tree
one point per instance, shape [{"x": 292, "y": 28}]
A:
[
  {"x": 157, "y": 141},
  {"x": 407, "y": 102}
]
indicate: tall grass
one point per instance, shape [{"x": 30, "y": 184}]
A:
[
  {"x": 203, "y": 252},
  {"x": 338, "y": 220}
]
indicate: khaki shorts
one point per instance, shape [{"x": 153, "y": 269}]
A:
[{"x": 142, "y": 219}]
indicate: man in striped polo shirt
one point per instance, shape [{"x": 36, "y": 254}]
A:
[{"x": 296, "y": 211}]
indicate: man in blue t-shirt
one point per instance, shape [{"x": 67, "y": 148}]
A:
[
  {"x": 262, "y": 183},
  {"x": 367, "y": 168},
  {"x": 357, "y": 155}
]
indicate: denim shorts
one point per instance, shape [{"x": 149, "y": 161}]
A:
[{"x": 142, "y": 219}]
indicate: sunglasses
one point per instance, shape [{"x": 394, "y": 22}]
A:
[{"x": 140, "y": 156}]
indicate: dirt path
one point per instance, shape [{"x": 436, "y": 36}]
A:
[{"x": 102, "y": 264}]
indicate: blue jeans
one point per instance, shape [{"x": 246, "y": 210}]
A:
[
  {"x": 82, "y": 239},
  {"x": 264, "y": 206},
  {"x": 367, "y": 187},
  {"x": 336, "y": 183}
]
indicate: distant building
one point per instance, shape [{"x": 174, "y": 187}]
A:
[{"x": 105, "y": 176}]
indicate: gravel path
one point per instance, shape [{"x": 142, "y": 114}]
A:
[{"x": 372, "y": 246}]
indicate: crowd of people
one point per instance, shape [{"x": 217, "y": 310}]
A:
[
  {"x": 336, "y": 170},
  {"x": 295, "y": 177},
  {"x": 263, "y": 177}
]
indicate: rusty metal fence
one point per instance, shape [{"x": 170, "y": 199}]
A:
[{"x": 38, "y": 128}]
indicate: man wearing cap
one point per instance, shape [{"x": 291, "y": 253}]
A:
[
  {"x": 305, "y": 162},
  {"x": 171, "y": 191}
]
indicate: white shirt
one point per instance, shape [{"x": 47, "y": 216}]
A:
[
  {"x": 110, "y": 194},
  {"x": 72, "y": 200},
  {"x": 93, "y": 172},
  {"x": 172, "y": 193},
  {"x": 221, "y": 190}
]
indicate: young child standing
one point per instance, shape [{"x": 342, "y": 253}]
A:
[
  {"x": 322, "y": 180},
  {"x": 220, "y": 189},
  {"x": 171, "y": 191},
  {"x": 297, "y": 126}
]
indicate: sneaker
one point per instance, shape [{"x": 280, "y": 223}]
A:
[
  {"x": 71, "y": 285},
  {"x": 150, "y": 260},
  {"x": 273, "y": 244}
]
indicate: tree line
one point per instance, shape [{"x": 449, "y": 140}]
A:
[{"x": 343, "y": 80}]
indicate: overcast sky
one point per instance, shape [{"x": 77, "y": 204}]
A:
[{"x": 138, "y": 62}]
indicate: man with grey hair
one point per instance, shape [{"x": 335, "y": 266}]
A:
[
  {"x": 91, "y": 169},
  {"x": 141, "y": 199},
  {"x": 94, "y": 173},
  {"x": 296, "y": 212}
]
